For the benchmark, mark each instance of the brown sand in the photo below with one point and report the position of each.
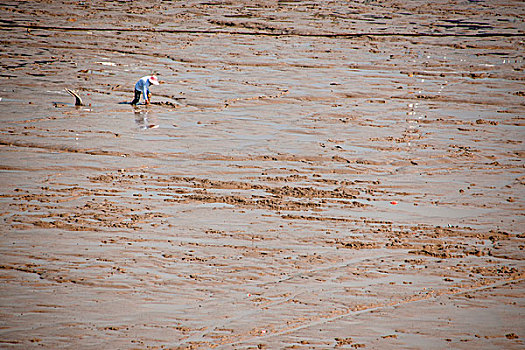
(308, 186)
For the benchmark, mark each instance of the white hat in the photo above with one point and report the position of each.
(153, 79)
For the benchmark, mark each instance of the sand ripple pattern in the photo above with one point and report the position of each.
(310, 175)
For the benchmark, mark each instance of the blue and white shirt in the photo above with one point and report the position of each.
(143, 86)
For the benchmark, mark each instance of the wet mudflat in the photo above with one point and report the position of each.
(295, 184)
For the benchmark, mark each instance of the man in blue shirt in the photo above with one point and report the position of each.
(142, 88)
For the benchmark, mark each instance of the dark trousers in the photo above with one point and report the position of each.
(137, 97)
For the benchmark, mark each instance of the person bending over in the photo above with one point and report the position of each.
(142, 88)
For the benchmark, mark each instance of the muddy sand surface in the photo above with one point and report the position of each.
(311, 175)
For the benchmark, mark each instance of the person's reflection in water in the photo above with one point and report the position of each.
(143, 122)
